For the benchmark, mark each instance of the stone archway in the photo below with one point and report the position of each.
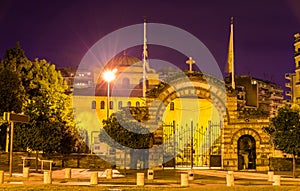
(194, 85)
(232, 153)
(246, 152)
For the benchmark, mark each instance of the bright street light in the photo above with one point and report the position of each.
(109, 76)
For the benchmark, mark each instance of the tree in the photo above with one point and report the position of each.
(42, 95)
(284, 130)
(50, 128)
(12, 90)
(124, 134)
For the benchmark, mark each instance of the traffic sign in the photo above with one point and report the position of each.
(13, 117)
(7, 116)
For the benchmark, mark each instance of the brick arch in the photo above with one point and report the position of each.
(246, 131)
(200, 85)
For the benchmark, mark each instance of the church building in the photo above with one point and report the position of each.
(191, 123)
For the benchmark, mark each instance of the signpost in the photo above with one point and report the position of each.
(11, 118)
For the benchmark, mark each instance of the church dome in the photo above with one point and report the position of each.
(123, 61)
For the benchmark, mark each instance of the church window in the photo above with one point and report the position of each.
(102, 105)
(172, 106)
(111, 105)
(120, 105)
(93, 104)
(137, 104)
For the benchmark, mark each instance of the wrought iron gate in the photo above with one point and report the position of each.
(191, 145)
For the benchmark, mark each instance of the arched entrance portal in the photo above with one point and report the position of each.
(246, 152)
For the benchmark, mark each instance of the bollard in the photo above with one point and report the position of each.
(68, 173)
(47, 177)
(140, 179)
(94, 178)
(276, 180)
(26, 172)
(150, 174)
(230, 179)
(108, 173)
(1, 176)
(184, 180)
(191, 175)
(270, 175)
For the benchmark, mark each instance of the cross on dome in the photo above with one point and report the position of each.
(190, 61)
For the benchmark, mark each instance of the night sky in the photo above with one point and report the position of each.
(62, 31)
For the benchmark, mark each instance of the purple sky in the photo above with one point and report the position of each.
(62, 31)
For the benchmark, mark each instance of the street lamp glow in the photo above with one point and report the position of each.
(109, 75)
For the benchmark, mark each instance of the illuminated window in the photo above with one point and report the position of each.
(172, 106)
(129, 104)
(93, 104)
(102, 105)
(137, 104)
(120, 105)
(111, 105)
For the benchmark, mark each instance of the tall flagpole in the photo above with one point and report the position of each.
(145, 55)
(230, 60)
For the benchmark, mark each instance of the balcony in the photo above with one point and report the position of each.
(288, 93)
(297, 53)
(297, 38)
(276, 96)
(288, 85)
(288, 76)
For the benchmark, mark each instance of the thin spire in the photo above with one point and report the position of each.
(145, 57)
(230, 59)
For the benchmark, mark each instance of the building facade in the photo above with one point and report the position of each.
(294, 78)
(262, 95)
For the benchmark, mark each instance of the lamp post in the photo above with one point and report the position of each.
(109, 76)
(192, 145)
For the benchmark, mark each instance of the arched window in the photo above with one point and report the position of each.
(120, 105)
(111, 105)
(93, 104)
(137, 104)
(102, 105)
(129, 103)
(172, 106)
(125, 82)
